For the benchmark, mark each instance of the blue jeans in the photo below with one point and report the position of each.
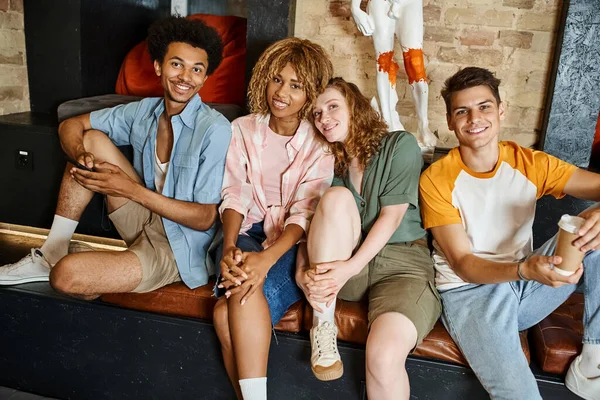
(280, 287)
(485, 320)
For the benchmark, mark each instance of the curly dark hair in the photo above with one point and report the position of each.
(366, 129)
(310, 61)
(467, 78)
(193, 32)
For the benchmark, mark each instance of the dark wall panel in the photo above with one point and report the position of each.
(75, 47)
(52, 43)
(109, 29)
(268, 21)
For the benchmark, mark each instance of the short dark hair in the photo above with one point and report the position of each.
(191, 31)
(467, 78)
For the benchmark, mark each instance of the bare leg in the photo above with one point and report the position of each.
(391, 338)
(221, 323)
(335, 228)
(334, 233)
(90, 274)
(73, 198)
(250, 346)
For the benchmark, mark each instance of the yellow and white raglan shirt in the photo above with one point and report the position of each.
(496, 208)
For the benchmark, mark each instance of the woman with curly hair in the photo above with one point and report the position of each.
(276, 171)
(367, 241)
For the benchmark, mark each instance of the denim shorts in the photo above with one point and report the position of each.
(280, 287)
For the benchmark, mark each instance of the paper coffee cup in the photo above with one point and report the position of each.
(571, 256)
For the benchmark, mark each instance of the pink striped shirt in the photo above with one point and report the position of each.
(302, 184)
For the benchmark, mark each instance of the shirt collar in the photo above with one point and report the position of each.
(188, 114)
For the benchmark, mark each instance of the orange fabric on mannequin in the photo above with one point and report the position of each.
(414, 65)
(386, 63)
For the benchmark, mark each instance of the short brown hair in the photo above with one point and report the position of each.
(366, 129)
(310, 61)
(467, 78)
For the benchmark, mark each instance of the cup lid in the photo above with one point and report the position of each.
(571, 223)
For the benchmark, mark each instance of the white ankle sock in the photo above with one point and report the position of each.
(590, 360)
(326, 315)
(254, 388)
(56, 245)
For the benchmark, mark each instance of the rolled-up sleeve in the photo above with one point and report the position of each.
(310, 190)
(116, 122)
(207, 189)
(237, 191)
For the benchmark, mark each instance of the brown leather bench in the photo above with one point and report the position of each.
(556, 340)
(176, 299)
(351, 317)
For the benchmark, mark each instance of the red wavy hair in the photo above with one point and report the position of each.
(366, 129)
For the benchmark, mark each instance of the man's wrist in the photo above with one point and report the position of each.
(136, 193)
(520, 271)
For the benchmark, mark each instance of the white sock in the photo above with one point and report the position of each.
(326, 315)
(590, 360)
(254, 388)
(56, 245)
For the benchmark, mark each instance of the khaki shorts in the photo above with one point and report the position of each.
(144, 234)
(399, 279)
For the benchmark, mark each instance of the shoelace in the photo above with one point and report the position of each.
(326, 337)
(29, 258)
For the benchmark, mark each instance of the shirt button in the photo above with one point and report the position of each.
(362, 203)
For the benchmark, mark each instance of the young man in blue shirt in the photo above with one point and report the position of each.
(164, 206)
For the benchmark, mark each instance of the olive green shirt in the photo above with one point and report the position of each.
(392, 177)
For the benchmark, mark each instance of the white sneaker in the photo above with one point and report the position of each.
(576, 382)
(325, 359)
(32, 268)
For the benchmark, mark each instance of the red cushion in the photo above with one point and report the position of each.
(225, 85)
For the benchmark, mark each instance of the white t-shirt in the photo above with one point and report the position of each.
(496, 208)
(160, 172)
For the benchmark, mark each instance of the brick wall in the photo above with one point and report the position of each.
(14, 90)
(513, 38)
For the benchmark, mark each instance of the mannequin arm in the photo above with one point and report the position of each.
(363, 21)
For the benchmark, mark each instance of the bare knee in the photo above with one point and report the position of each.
(336, 200)
(94, 140)
(63, 276)
(221, 322)
(390, 341)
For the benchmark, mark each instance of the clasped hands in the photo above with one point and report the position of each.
(322, 283)
(243, 272)
(106, 178)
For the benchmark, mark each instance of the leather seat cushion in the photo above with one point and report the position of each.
(177, 299)
(556, 340)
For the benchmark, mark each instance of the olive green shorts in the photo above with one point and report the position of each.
(399, 279)
(144, 234)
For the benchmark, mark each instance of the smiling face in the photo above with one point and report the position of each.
(475, 117)
(285, 94)
(182, 73)
(332, 116)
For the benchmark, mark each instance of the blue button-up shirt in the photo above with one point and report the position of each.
(201, 138)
